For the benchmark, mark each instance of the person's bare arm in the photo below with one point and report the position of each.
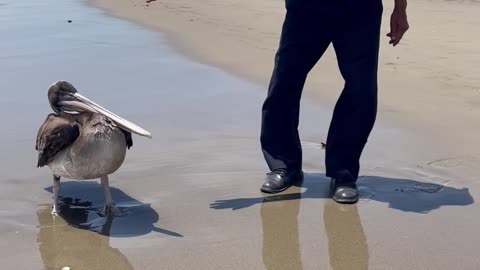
(398, 22)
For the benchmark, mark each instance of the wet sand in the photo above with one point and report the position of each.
(189, 196)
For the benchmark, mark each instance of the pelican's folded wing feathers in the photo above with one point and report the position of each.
(54, 135)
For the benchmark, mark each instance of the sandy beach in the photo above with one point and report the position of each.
(194, 74)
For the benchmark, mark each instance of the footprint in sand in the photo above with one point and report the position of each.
(446, 163)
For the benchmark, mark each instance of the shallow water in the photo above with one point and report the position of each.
(189, 196)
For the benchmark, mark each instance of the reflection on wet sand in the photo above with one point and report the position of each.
(281, 248)
(347, 244)
(63, 245)
(80, 237)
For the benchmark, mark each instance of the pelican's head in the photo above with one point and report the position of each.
(64, 97)
(61, 96)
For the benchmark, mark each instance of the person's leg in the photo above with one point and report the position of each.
(356, 45)
(301, 45)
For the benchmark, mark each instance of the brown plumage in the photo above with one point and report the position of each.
(60, 131)
(82, 140)
(54, 135)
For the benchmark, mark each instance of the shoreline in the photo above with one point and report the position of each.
(181, 43)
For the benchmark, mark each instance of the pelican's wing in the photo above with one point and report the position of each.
(54, 135)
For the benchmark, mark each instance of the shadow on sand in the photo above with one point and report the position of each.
(401, 194)
(81, 202)
(347, 243)
(80, 237)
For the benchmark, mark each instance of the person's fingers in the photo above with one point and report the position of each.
(394, 35)
(397, 40)
(392, 29)
(390, 36)
(402, 28)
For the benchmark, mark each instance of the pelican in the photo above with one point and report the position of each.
(82, 141)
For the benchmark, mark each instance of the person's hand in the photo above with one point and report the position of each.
(398, 22)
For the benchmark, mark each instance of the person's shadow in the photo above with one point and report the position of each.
(81, 204)
(347, 243)
(401, 194)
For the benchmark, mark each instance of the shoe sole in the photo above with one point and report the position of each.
(270, 191)
(343, 201)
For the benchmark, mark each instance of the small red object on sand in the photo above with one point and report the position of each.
(148, 1)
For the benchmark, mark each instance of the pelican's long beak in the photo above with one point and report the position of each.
(85, 104)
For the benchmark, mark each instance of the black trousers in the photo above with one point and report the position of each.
(353, 27)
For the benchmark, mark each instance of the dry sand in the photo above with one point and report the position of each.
(190, 196)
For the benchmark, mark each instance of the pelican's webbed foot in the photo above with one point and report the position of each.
(55, 210)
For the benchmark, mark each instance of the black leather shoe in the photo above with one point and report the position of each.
(280, 179)
(344, 189)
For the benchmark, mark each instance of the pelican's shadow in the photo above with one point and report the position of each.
(81, 202)
(401, 194)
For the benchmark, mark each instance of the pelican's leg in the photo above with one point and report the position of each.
(56, 191)
(110, 207)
